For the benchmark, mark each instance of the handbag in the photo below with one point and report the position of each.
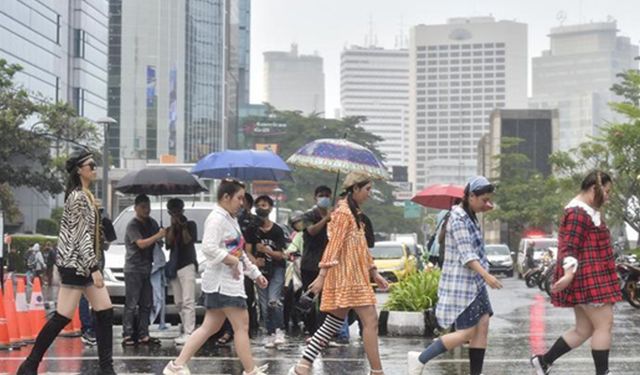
(171, 267)
(306, 303)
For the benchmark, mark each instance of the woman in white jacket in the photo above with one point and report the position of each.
(223, 282)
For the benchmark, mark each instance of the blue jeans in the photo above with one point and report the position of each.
(85, 315)
(271, 301)
(344, 331)
(158, 284)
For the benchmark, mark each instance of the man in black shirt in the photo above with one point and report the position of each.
(315, 240)
(142, 235)
(270, 257)
(183, 266)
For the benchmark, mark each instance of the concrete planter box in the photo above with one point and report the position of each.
(407, 323)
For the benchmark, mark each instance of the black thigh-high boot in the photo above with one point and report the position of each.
(46, 336)
(104, 337)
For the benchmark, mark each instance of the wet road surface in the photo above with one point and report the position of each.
(524, 323)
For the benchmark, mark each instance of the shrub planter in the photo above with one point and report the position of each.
(407, 323)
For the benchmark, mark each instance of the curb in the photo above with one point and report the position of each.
(408, 323)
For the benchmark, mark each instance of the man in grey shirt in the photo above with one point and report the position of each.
(142, 235)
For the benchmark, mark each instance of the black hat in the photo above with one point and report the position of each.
(77, 157)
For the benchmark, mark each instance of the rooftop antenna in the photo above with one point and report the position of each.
(561, 17)
(370, 41)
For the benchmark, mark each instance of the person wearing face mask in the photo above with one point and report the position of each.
(270, 243)
(463, 301)
(315, 240)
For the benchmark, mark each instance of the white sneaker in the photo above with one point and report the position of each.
(280, 338)
(173, 369)
(257, 370)
(414, 366)
(269, 342)
(182, 339)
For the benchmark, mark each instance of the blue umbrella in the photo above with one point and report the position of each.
(245, 165)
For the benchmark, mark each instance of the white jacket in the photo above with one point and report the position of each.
(222, 235)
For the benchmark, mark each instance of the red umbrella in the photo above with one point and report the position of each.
(439, 196)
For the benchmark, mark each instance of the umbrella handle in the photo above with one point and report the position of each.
(335, 189)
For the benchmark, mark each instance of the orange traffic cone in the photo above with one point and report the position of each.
(4, 330)
(22, 311)
(37, 314)
(77, 325)
(12, 317)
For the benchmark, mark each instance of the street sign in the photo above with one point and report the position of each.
(412, 210)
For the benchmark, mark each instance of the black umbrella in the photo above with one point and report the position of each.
(160, 181)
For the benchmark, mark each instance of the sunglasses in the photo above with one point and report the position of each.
(233, 181)
(92, 165)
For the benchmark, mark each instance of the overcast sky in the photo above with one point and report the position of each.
(327, 26)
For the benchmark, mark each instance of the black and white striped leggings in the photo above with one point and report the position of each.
(321, 338)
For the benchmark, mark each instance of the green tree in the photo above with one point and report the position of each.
(524, 198)
(303, 129)
(616, 150)
(30, 128)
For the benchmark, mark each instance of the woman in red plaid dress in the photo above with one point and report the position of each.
(586, 276)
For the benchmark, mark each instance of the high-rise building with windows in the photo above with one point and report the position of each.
(294, 82)
(576, 74)
(147, 80)
(374, 83)
(176, 77)
(459, 73)
(62, 47)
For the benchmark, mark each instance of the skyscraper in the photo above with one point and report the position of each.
(575, 75)
(294, 82)
(374, 82)
(62, 48)
(146, 73)
(176, 76)
(459, 73)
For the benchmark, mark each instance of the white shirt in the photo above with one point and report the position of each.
(222, 235)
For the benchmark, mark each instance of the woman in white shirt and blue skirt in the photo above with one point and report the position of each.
(223, 282)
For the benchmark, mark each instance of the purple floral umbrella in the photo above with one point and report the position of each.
(339, 155)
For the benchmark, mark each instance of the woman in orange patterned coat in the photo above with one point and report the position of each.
(346, 269)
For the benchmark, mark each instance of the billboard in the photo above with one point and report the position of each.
(173, 110)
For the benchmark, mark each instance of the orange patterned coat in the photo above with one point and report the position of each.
(347, 257)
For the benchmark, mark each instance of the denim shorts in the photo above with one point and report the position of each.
(220, 301)
(470, 317)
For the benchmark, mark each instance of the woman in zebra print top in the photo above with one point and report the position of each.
(77, 259)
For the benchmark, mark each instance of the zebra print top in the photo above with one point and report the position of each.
(77, 238)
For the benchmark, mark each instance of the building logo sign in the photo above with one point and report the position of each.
(265, 129)
(460, 34)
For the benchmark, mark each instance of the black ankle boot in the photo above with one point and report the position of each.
(46, 336)
(28, 367)
(104, 337)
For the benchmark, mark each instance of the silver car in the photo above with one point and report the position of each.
(115, 256)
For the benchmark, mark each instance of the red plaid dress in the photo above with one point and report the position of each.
(596, 280)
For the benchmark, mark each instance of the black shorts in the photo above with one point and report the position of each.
(69, 279)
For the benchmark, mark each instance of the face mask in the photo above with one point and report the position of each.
(323, 202)
(263, 212)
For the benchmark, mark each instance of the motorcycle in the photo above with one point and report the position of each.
(628, 271)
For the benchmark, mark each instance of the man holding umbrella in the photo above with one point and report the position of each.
(142, 235)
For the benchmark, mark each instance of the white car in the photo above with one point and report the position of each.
(500, 260)
(115, 256)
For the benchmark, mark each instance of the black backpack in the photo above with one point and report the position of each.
(441, 237)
